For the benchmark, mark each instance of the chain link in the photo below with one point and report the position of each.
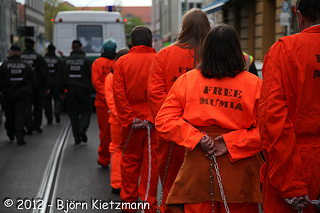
(216, 166)
(124, 148)
(211, 185)
(149, 166)
(314, 202)
(165, 177)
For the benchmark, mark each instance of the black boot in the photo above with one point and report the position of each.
(11, 137)
(20, 141)
(77, 141)
(58, 118)
(83, 136)
(38, 129)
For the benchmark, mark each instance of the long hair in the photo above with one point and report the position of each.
(195, 26)
(221, 55)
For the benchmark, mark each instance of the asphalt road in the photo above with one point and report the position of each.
(78, 184)
(81, 184)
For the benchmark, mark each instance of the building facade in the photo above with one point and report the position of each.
(34, 18)
(8, 26)
(257, 21)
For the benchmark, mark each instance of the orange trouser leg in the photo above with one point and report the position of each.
(175, 163)
(134, 155)
(105, 135)
(116, 155)
(205, 207)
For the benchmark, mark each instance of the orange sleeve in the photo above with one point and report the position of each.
(245, 143)
(169, 120)
(123, 107)
(156, 85)
(284, 167)
(109, 94)
(96, 79)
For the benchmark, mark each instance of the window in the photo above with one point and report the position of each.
(190, 5)
(91, 38)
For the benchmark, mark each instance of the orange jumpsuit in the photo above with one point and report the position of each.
(101, 67)
(168, 65)
(230, 103)
(114, 148)
(130, 96)
(289, 116)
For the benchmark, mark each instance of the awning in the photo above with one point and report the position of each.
(215, 6)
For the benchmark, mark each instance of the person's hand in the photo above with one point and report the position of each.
(63, 96)
(318, 206)
(220, 147)
(46, 92)
(206, 144)
(139, 124)
(298, 203)
(60, 53)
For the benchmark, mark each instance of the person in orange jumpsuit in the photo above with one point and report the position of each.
(139, 145)
(170, 63)
(101, 67)
(289, 117)
(212, 110)
(115, 127)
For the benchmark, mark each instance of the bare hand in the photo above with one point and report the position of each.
(63, 96)
(60, 53)
(220, 147)
(140, 124)
(298, 203)
(206, 144)
(46, 92)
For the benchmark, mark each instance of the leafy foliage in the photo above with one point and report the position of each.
(51, 9)
(131, 23)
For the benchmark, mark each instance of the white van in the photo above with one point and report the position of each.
(91, 28)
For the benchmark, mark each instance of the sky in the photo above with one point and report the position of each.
(94, 3)
(103, 3)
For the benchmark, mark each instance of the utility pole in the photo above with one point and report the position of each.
(185, 5)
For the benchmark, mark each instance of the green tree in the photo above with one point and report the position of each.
(131, 23)
(51, 9)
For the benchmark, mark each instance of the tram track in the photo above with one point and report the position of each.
(46, 194)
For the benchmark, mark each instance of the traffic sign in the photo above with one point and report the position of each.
(285, 6)
(285, 19)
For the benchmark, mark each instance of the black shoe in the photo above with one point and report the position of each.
(38, 130)
(103, 166)
(29, 132)
(11, 137)
(20, 141)
(58, 119)
(115, 191)
(123, 211)
(83, 137)
(77, 141)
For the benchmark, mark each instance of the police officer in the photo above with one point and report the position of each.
(76, 72)
(53, 63)
(16, 83)
(40, 71)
